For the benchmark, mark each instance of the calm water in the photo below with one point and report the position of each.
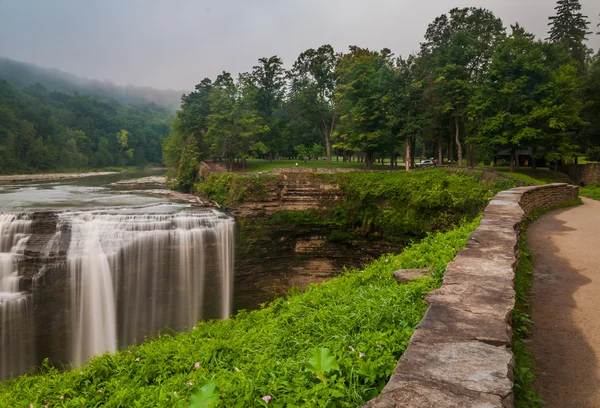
(82, 193)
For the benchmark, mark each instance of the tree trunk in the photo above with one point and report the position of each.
(270, 157)
(533, 159)
(407, 153)
(458, 145)
(450, 149)
(512, 155)
(517, 164)
(440, 152)
(412, 152)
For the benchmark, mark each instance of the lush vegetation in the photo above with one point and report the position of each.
(474, 89)
(534, 177)
(379, 205)
(592, 191)
(43, 131)
(334, 345)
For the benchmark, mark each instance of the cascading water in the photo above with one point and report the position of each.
(128, 273)
(15, 307)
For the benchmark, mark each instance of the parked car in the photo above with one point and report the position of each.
(425, 163)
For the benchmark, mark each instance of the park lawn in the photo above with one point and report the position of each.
(592, 191)
(260, 165)
(538, 177)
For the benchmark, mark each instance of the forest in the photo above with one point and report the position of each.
(43, 130)
(474, 88)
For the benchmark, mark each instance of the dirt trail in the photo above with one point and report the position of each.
(566, 305)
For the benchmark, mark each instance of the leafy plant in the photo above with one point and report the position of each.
(322, 362)
(206, 397)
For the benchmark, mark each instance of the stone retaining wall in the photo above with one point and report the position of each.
(582, 174)
(460, 355)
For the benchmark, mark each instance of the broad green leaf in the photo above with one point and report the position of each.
(206, 397)
(321, 362)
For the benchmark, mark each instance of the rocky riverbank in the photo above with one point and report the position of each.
(20, 178)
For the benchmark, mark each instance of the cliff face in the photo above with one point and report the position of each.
(288, 191)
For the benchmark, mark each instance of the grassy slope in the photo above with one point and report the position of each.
(265, 352)
(592, 191)
(538, 177)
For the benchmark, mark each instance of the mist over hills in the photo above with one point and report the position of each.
(22, 74)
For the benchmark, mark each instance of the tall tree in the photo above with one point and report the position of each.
(361, 95)
(530, 101)
(265, 87)
(570, 27)
(459, 47)
(312, 88)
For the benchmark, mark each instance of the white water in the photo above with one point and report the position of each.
(134, 273)
(15, 308)
(127, 273)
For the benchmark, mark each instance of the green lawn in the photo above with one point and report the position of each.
(592, 191)
(259, 165)
(538, 177)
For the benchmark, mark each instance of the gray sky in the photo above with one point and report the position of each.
(176, 43)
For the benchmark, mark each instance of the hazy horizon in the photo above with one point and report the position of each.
(174, 45)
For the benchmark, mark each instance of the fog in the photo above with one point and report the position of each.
(174, 44)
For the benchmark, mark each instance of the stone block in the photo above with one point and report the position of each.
(407, 275)
(427, 394)
(472, 366)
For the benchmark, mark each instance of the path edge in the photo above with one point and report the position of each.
(460, 355)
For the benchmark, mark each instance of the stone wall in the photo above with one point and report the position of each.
(582, 174)
(460, 355)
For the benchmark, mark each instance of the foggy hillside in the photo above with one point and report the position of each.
(22, 74)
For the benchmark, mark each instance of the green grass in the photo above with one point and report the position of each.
(538, 177)
(363, 318)
(524, 371)
(258, 165)
(592, 191)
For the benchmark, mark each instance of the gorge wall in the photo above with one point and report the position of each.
(460, 355)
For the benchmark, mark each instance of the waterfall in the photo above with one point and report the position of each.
(123, 274)
(16, 337)
(132, 274)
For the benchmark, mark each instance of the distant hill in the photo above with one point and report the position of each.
(21, 74)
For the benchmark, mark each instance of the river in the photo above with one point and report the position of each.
(84, 270)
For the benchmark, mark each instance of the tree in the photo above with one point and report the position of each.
(361, 99)
(458, 48)
(231, 127)
(123, 142)
(264, 90)
(529, 100)
(570, 27)
(312, 90)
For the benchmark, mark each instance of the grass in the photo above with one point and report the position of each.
(592, 191)
(334, 345)
(538, 177)
(259, 165)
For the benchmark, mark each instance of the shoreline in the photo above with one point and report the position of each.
(18, 178)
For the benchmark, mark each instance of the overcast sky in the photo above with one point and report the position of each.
(176, 43)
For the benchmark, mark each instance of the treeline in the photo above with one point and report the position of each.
(474, 88)
(42, 130)
(22, 74)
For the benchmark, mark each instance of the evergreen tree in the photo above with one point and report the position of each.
(570, 26)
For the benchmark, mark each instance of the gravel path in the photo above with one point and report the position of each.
(566, 305)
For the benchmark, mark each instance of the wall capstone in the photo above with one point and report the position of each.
(460, 355)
